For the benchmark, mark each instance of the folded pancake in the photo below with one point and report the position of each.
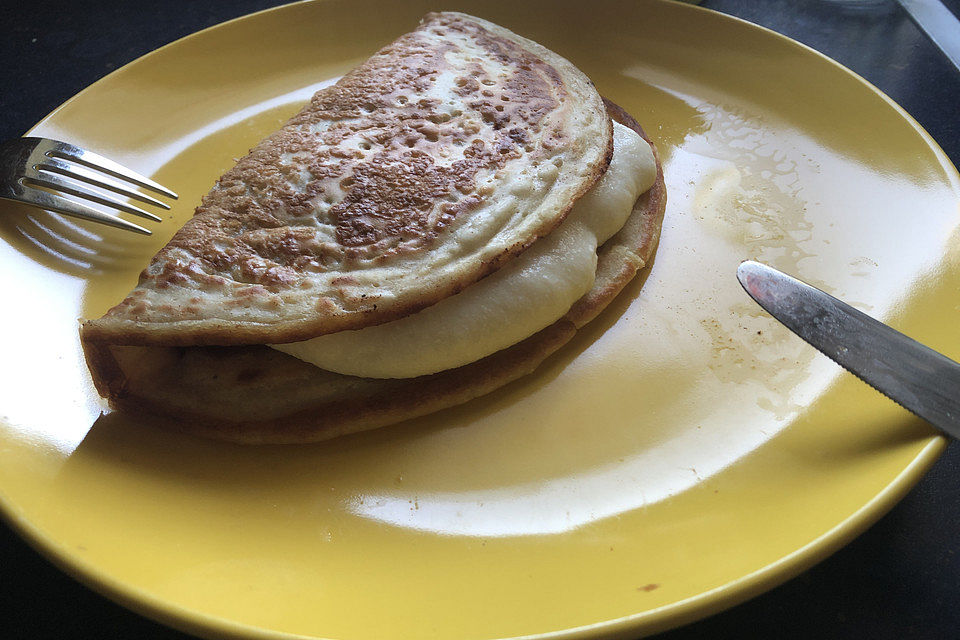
(258, 395)
(360, 238)
(426, 168)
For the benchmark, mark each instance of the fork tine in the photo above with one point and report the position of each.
(54, 165)
(59, 204)
(53, 181)
(96, 161)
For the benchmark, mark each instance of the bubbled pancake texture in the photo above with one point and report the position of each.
(429, 166)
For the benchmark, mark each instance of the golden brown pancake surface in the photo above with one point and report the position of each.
(429, 166)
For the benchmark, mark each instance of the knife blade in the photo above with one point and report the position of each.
(918, 378)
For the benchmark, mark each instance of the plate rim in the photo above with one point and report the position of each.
(648, 622)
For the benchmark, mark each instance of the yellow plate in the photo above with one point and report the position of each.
(684, 453)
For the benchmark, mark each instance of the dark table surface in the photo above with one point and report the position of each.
(900, 579)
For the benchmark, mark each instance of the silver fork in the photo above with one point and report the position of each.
(36, 170)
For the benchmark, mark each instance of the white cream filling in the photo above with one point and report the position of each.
(533, 291)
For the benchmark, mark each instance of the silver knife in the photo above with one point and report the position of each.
(916, 377)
